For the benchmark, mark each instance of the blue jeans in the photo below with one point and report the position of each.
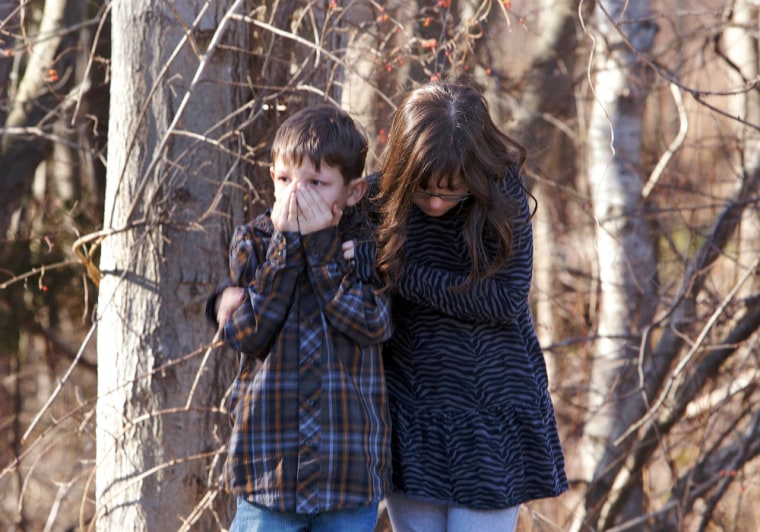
(411, 515)
(255, 518)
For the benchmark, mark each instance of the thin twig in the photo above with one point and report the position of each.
(215, 342)
(35, 271)
(61, 384)
(204, 60)
(289, 35)
(683, 128)
(677, 372)
(202, 506)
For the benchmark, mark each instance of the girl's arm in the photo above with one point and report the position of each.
(501, 297)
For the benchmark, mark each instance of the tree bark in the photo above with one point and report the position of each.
(626, 252)
(740, 45)
(9, 16)
(173, 92)
(20, 154)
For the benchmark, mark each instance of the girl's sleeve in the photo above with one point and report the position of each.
(501, 297)
(349, 294)
(269, 293)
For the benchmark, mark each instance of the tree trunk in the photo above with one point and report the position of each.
(173, 92)
(9, 15)
(626, 252)
(32, 100)
(741, 49)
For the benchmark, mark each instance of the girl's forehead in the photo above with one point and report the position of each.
(443, 181)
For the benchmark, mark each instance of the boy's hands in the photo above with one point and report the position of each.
(227, 302)
(285, 213)
(314, 214)
(304, 211)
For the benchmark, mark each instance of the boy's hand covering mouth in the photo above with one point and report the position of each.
(313, 213)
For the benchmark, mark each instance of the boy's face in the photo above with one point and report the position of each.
(328, 182)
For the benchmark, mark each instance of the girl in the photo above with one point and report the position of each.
(474, 432)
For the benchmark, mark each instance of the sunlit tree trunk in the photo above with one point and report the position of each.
(9, 16)
(32, 99)
(740, 44)
(626, 251)
(174, 70)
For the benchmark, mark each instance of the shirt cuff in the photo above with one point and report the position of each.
(210, 309)
(322, 246)
(284, 248)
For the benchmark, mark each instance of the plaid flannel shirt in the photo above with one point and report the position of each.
(311, 429)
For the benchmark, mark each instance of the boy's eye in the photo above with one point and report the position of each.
(283, 179)
(316, 183)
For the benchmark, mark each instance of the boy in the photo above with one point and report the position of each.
(309, 448)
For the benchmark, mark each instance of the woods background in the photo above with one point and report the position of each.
(135, 136)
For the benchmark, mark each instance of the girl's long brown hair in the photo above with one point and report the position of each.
(444, 132)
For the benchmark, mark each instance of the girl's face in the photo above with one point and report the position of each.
(436, 201)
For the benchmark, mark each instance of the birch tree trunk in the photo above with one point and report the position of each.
(741, 49)
(626, 252)
(20, 156)
(172, 95)
(9, 15)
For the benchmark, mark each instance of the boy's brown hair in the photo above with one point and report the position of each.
(323, 133)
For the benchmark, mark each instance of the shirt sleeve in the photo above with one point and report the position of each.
(365, 257)
(242, 255)
(254, 324)
(210, 308)
(501, 297)
(352, 303)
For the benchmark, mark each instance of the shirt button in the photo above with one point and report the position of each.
(309, 402)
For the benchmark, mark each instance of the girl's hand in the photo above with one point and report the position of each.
(285, 213)
(226, 304)
(348, 250)
(313, 213)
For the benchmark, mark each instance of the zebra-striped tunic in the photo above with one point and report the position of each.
(472, 420)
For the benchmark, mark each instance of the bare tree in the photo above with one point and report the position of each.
(625, 249)
(174, 93)
(659, 349)
(32, 98)
(740, 50)
(643, 151)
